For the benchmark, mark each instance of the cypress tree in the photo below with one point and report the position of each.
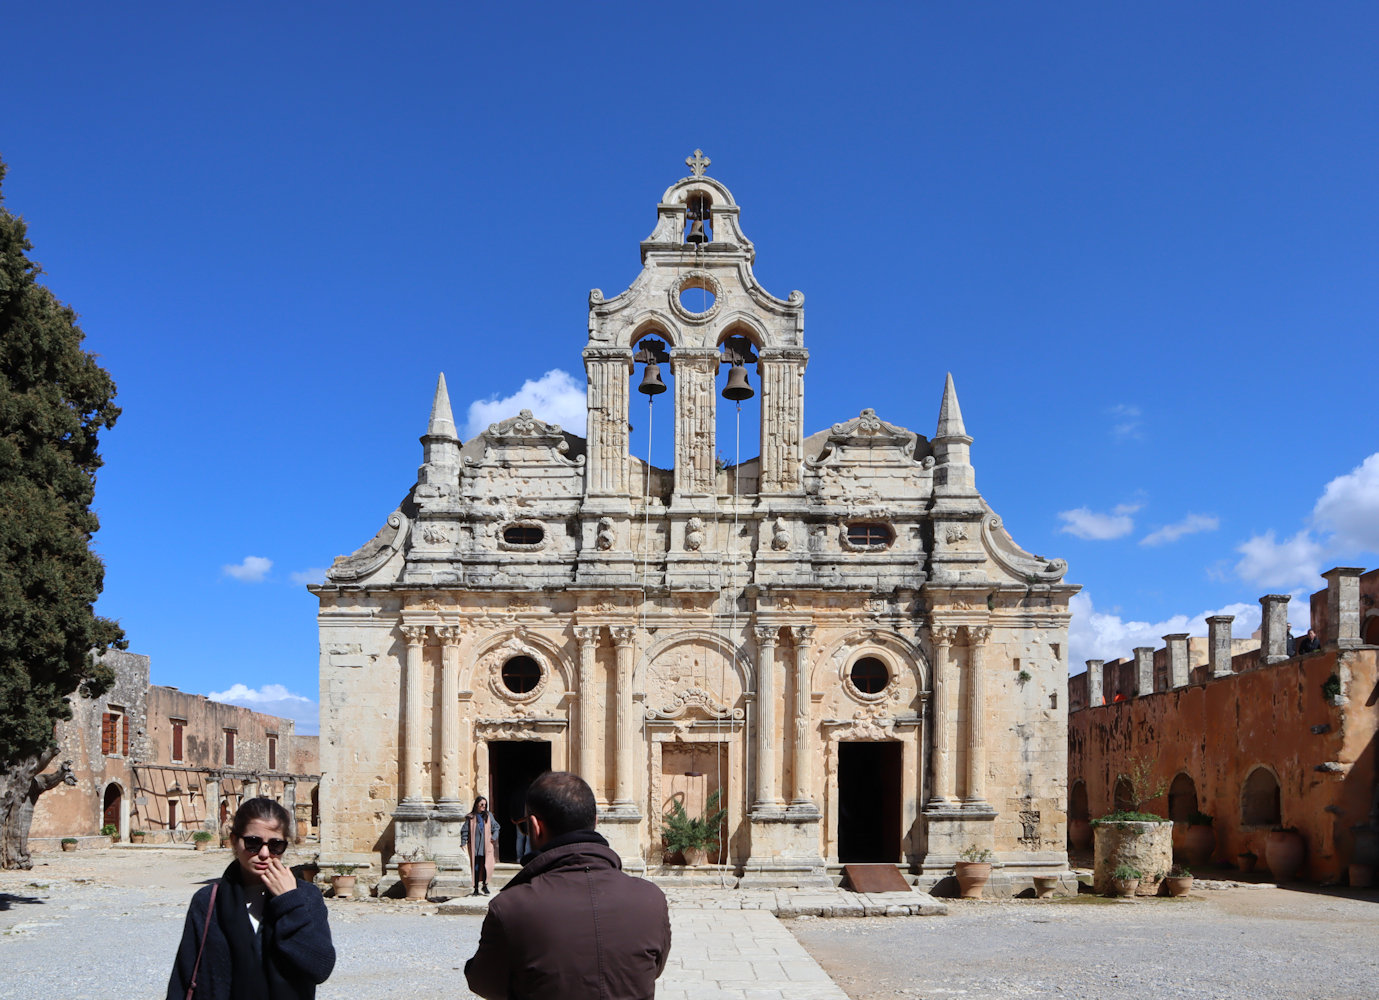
(54, 401)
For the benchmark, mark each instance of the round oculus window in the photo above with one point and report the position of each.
(521, 674)
(869, 675)
(524, 534)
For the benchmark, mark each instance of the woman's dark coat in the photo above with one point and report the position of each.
(298, 943)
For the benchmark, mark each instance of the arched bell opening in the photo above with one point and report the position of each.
(698, 218)
(651, 402)
(739, 413)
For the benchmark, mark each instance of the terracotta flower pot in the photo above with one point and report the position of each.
(69, 847)
(136, 838)
(1178, 885)
(343, 886)
(1080, 834)
(1198, 844)
(1284, 852)
(417, 876)
(1044, 885)
(1124, 887)
(1245, 861)
(972, 877)
(695, 856)
(200, 845)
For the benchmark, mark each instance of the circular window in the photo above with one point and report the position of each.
(869, 675)
(697, 300)
(521, 674)
(523, 534)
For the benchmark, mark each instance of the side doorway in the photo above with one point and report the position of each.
(869, 802)
(512, 766)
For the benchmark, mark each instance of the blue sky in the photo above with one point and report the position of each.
(1141, 236)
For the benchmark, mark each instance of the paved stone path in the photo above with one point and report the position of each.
(739, 955)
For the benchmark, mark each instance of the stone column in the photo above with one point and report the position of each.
(695, 431)
(1219, 645)
(290, 804)
(1342, 607)
(803, 793)
(1095, 677)
(1273, 628)
(1144, 671)
(943, 638)
(588, 638)
(413, 681)
(623, 733)
(768, 795)
(1177, 659)
(451, 799)
(782, 419)
(213, 801)
(465, 736)
(976, 714)
(606, 462)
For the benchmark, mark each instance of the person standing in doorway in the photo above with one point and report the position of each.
(480, 835)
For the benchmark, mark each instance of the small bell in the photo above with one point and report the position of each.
(651, 380)
(696, 233)
(738, 388)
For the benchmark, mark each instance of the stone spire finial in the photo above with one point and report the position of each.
(442, 424)
(950, 414)
(698, 163)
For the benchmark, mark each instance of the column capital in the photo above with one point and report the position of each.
(977, 635)
(587, 634)
(943, 635)
(622, 634)
(766, 635)
(450, 635)
(414, 634)
(802, 635)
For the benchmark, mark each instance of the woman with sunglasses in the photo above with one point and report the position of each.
(267, 935)
(480, 835)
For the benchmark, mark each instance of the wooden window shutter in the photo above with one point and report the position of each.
(124, 735)
(107, 733)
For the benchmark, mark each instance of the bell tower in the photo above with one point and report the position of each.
(698, 306)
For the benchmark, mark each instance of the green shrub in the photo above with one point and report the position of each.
(976, 855)
(110, 830)
(69, 840)
(1180, 871)
(1127, 816)
(201, 836)
(1126, 871)
(682, 830)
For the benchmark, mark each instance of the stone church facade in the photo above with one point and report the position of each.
(838, 637)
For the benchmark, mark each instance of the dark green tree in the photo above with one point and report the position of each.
(54, 400)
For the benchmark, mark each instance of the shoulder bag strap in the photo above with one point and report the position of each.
(210, 912)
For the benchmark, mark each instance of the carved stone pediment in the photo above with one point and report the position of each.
(371, 556)
(866, 724)
(1022, 565)
(870, 434)
(527, 429)
(694, 700)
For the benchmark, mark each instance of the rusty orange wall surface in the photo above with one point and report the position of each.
(1219, 731)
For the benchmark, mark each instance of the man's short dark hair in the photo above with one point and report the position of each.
(564, 801)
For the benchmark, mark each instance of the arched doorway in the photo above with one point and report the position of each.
(1182, 800)
(112, 808)
(1260, 803)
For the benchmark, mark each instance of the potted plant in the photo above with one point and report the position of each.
(692, 837)
(1284, 852)
(1178, 881)
(1125, 880)
(69, 843)
(1245, 861)
(416, 868)
(1199, 841)
(201, 839)
(112, 831)
(136, 836)
(973, 871)
(308, 869)
(343, 879)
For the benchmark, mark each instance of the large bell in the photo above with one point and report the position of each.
(696, 233)
(651, 381)
(738, 387)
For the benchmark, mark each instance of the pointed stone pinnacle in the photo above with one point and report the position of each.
(949, 414)
(442, 424)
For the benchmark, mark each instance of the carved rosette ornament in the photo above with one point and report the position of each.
(694, 534)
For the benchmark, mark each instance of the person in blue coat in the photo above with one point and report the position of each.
(268, 936)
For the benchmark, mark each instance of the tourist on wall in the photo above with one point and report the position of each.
(257, 931)
(481, 830)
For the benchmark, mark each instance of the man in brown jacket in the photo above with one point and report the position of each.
(571, 924)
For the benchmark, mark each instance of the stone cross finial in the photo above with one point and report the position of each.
(698, 163)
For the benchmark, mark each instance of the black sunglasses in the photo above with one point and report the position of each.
(255, 844)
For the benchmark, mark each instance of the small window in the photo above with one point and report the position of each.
(524, 534)
(178, 726)
(521, 674)
(115, 731)
(869, 675)
(172, 814)
(272, 752)
(869, 534)
(229, 747)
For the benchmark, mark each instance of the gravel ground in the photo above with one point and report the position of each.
(99, 924)
(1255, 943)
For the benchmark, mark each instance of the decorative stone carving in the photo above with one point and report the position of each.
(694, 698)
(694, 534)
(780, 535)
(943, 635)
(604, 539)
(414, 634)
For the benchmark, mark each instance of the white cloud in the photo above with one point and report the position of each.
(1087, 523)
(1126, 422)
(1278, 566)
(1349, 507)
(1189, 525)
(554, 398)
(1095, 635)
(274, 699)
(316, 574)
(252, 570)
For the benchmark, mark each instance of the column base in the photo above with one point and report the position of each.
(784, 849)
(621, 827)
